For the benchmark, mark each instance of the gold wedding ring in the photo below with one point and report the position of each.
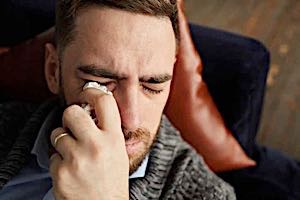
(59, 137)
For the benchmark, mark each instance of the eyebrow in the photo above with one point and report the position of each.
(104, 73)
(156, 79)
(99, 72)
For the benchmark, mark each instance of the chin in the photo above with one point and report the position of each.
(136, 153)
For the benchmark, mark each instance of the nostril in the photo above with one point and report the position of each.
(130, 121)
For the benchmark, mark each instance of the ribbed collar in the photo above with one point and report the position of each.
(161, 159)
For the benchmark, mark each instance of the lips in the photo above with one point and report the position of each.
(131, 142)
(133, 146)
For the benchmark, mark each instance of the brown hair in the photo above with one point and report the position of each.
(66, 11)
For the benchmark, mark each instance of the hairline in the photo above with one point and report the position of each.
(72, 33)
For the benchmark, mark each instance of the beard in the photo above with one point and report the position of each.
(141, 135)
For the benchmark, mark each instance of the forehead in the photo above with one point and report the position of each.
(122, 40)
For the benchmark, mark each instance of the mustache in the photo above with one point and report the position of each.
(139, 134)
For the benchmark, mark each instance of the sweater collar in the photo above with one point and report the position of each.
(162, 155)
(41, 145)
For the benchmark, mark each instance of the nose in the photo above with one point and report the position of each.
(128, 104)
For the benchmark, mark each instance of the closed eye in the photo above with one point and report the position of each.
(110, 86)
(151, 91)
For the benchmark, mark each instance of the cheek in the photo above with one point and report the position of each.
(72, 87)
(152, 111)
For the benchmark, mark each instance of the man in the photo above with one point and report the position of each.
(130, 47)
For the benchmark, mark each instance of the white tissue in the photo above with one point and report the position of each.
(87, 107)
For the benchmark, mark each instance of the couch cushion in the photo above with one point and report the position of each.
(235, 70)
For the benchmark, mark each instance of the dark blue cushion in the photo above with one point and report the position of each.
(276, 177)
(235, 70)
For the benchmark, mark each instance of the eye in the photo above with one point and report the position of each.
(101, 83)
(151, 91)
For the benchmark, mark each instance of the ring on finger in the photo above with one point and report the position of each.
(59, 137)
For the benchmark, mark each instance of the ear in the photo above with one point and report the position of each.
(52, 72)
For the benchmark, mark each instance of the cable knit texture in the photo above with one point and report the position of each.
(175, 170)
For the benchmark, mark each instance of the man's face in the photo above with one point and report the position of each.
(133, 55)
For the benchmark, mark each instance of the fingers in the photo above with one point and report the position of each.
(105, 106)
(55, 162)
(79, 123)
(63, 143)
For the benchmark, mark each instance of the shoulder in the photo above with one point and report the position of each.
(13, 117)
(15, 113)
(190, 178)
(12, 108)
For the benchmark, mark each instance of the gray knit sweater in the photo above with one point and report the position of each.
(175, 170)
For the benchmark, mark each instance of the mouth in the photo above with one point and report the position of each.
(132, 146)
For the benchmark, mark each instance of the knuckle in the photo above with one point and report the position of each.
(56, 131)
(73, 109)
(95, 150)
(103, 97)
(70, 111)
(76, 164)
(61, 172)
(74, 157)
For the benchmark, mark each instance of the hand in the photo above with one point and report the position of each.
(92, 162)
